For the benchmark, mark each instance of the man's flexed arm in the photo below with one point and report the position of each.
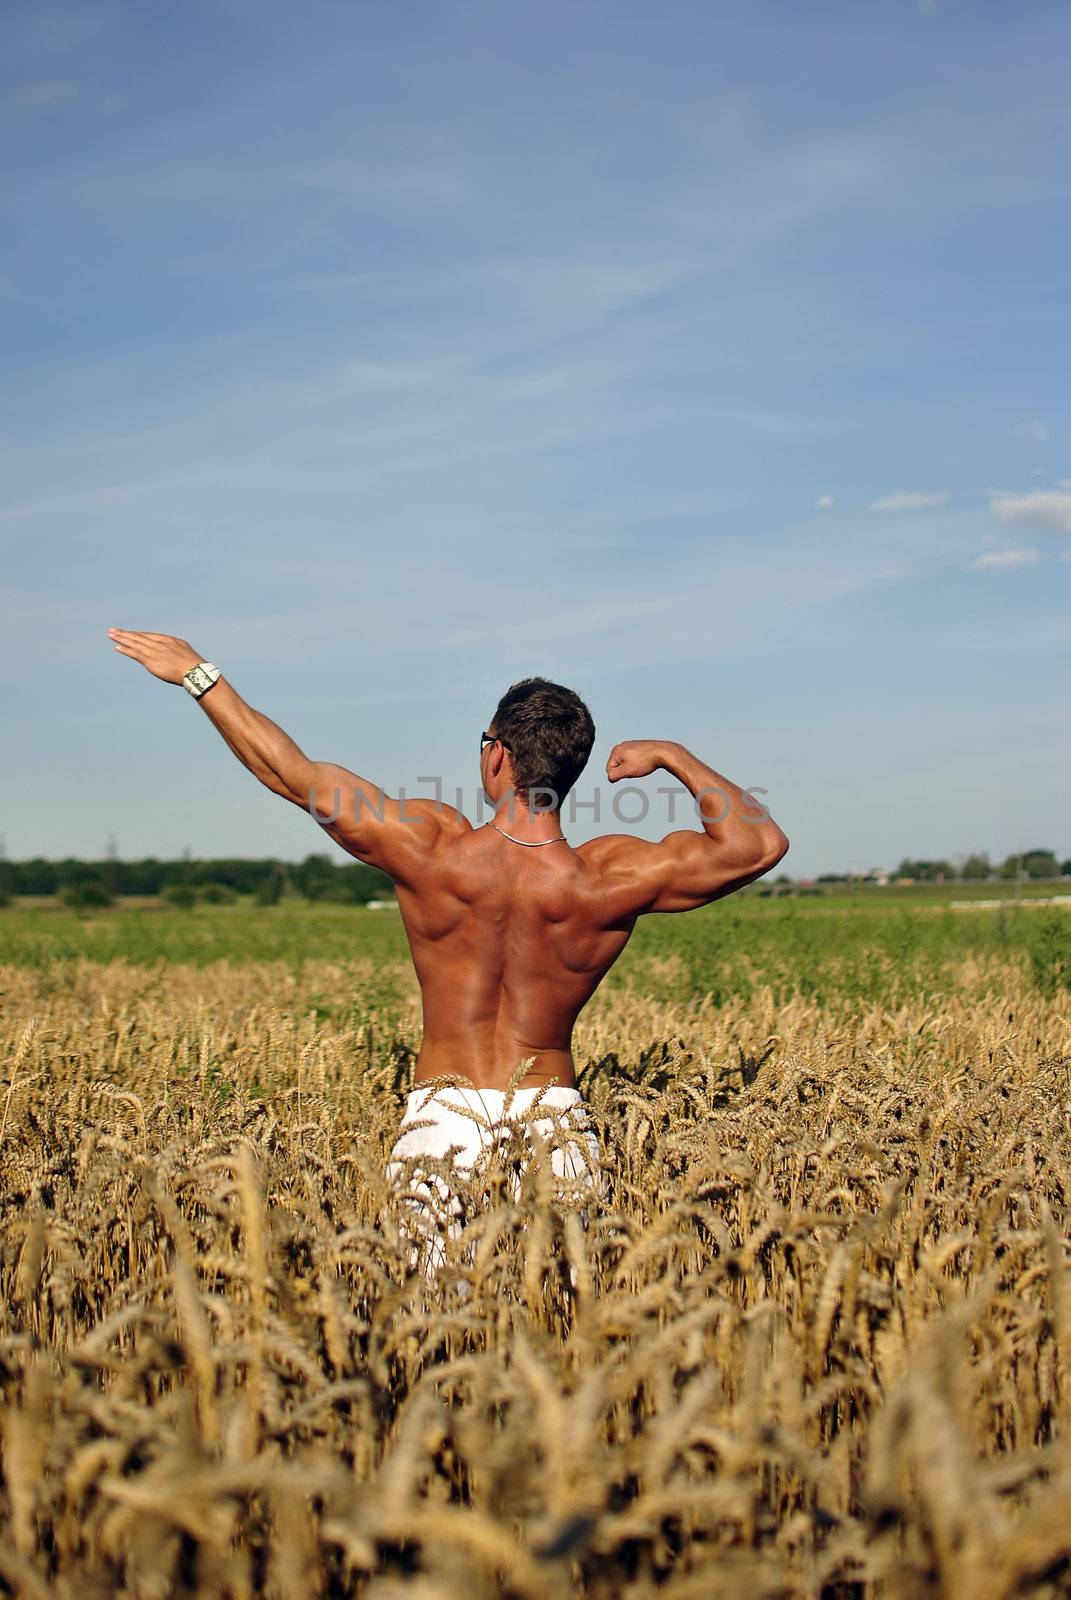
(358, 815)
(739, 840)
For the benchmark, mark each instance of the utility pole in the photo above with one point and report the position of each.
(111, 871)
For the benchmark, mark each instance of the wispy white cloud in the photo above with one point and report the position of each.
(608, 618)
(584, 284)
(51, 95)
(371, 377)
(1052, 634)
(628, 626)
(47, 30)
(787, 185)
(1044, 508)
(1032, 432)
(1004, 560)
(908, 500)
(110, 497)
(825, 502)
(201, 182)
(768, 419)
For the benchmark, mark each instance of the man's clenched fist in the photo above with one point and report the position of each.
(636, 758)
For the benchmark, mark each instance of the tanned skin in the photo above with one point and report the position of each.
(508, 943)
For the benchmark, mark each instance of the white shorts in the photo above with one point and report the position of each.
(462, 1126)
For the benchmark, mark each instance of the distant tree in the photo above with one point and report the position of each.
(141, 877)
(270, 889)
(90, 892)
(341, 893)
(247, 876)
(70, 872)
(37, 877)
(1065, 869)
(183, 896)
(1035, 864)
(7, 876)
(315, 876)
(976, 868)
(926, 871)
(1041, 864)
(216, 894)
(364, 883)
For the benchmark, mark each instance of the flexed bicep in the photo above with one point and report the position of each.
(681, 872)
(689, 870)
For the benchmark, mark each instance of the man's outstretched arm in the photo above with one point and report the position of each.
(737, 843)
(357, 814)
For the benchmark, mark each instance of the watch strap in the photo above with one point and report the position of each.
(200, 678)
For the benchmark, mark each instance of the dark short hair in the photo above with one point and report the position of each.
(549, 731)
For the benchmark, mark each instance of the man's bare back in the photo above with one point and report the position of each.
(508, 943)
(511, 928)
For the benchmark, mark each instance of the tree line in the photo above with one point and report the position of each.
(186, 881)
(269, 880)
(978, 868)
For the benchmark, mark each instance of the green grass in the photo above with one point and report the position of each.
(937, 893)
(293, 931)
(850, 945)
(878, 952)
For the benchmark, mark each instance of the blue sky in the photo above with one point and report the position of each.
(704, 357)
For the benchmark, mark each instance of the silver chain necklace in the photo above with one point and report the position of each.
(528, 844)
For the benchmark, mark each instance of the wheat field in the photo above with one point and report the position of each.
(813, 1340)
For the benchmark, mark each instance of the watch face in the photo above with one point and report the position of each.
(201, 677)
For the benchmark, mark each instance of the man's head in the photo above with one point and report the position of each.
(548, 733)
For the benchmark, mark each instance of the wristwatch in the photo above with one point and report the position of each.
(200, 678)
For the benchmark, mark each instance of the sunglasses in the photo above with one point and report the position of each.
(491, 738)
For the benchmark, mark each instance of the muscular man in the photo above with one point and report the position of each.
(511, 927)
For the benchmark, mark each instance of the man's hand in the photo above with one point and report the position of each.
(636, 758)
(160, 653)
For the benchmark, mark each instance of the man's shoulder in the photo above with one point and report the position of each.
(442, 828)
(614, 851)
(427, 831)
(451, 822)
(605, 844)
(622, 871)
